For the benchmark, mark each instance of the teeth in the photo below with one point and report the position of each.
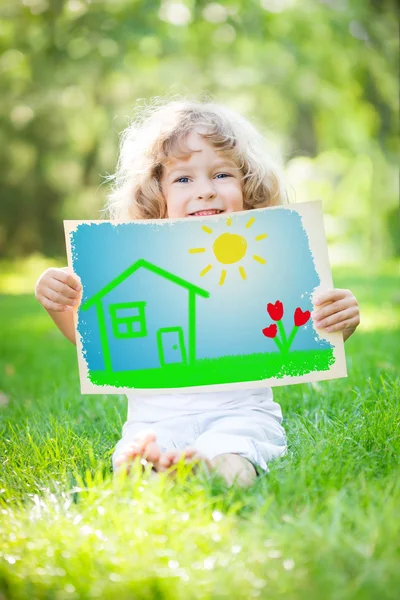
(205, 213)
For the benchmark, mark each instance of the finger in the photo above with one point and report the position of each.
(338, 318)
(60, 298)
(63, 291)
(349, 324)
(63, 288)
(330, 296)
(50, 305)
(69, 279)
(344, 316)
(322, 313)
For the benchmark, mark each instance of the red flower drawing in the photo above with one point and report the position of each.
(270, 331)
(275, 311)
(300, 317)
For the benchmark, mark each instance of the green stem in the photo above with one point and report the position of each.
(278, 343)
(283, 336)
(291, 337)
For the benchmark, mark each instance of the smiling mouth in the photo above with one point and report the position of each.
(206, 213)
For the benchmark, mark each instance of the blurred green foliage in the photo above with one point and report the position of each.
(318, 76)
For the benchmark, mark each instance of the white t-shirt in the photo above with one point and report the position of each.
(163, 406)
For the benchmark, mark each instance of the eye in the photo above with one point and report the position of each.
(223, 175)
(181, 180)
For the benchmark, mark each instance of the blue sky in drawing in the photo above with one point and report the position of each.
(231, 320)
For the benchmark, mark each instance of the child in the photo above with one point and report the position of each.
(193, 159)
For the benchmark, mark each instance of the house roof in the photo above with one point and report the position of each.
(134, 267)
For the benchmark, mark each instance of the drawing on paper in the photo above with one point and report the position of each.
(175, 305)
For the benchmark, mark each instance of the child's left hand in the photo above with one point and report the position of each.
(336, 310)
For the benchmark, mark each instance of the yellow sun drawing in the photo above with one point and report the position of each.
(230, 248)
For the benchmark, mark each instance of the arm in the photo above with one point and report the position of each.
(59, 292)
(337, 310)
(65, 323)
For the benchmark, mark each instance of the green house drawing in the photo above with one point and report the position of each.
(128, 318)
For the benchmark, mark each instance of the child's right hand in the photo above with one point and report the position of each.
(58, 289)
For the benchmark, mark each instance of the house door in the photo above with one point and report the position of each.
(171, 346)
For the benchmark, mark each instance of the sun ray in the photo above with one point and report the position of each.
(196, 250)
(205, 270)
(229, 249)
(250, 222)
(259, 259)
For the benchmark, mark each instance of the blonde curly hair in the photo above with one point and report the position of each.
(160, 131)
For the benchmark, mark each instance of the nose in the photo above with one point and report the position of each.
(206, 190)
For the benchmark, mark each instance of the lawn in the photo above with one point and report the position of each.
(324, 523)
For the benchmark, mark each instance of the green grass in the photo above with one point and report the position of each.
(228, 369)
(324, 523)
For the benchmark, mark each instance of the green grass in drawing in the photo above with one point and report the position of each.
(227, 369)
(128, 321)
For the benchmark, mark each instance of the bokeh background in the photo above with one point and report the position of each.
(319, 77)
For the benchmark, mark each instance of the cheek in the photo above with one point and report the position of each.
(237, 197)
(175, 204)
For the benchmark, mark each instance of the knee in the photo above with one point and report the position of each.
(235, 469)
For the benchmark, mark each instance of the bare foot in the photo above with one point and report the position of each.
(190, 456)
(146, 447)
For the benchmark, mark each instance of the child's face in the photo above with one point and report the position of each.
(203, 184)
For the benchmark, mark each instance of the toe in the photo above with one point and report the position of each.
(167, 459)
(190, 452)
(122, 463)
(146, 437)
(164, 463)
(193, 455)
(120, 460)
(173, 456)
(152, 453)
(132, 450)
(142, 441)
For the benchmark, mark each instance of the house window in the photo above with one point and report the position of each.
(128, 320)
